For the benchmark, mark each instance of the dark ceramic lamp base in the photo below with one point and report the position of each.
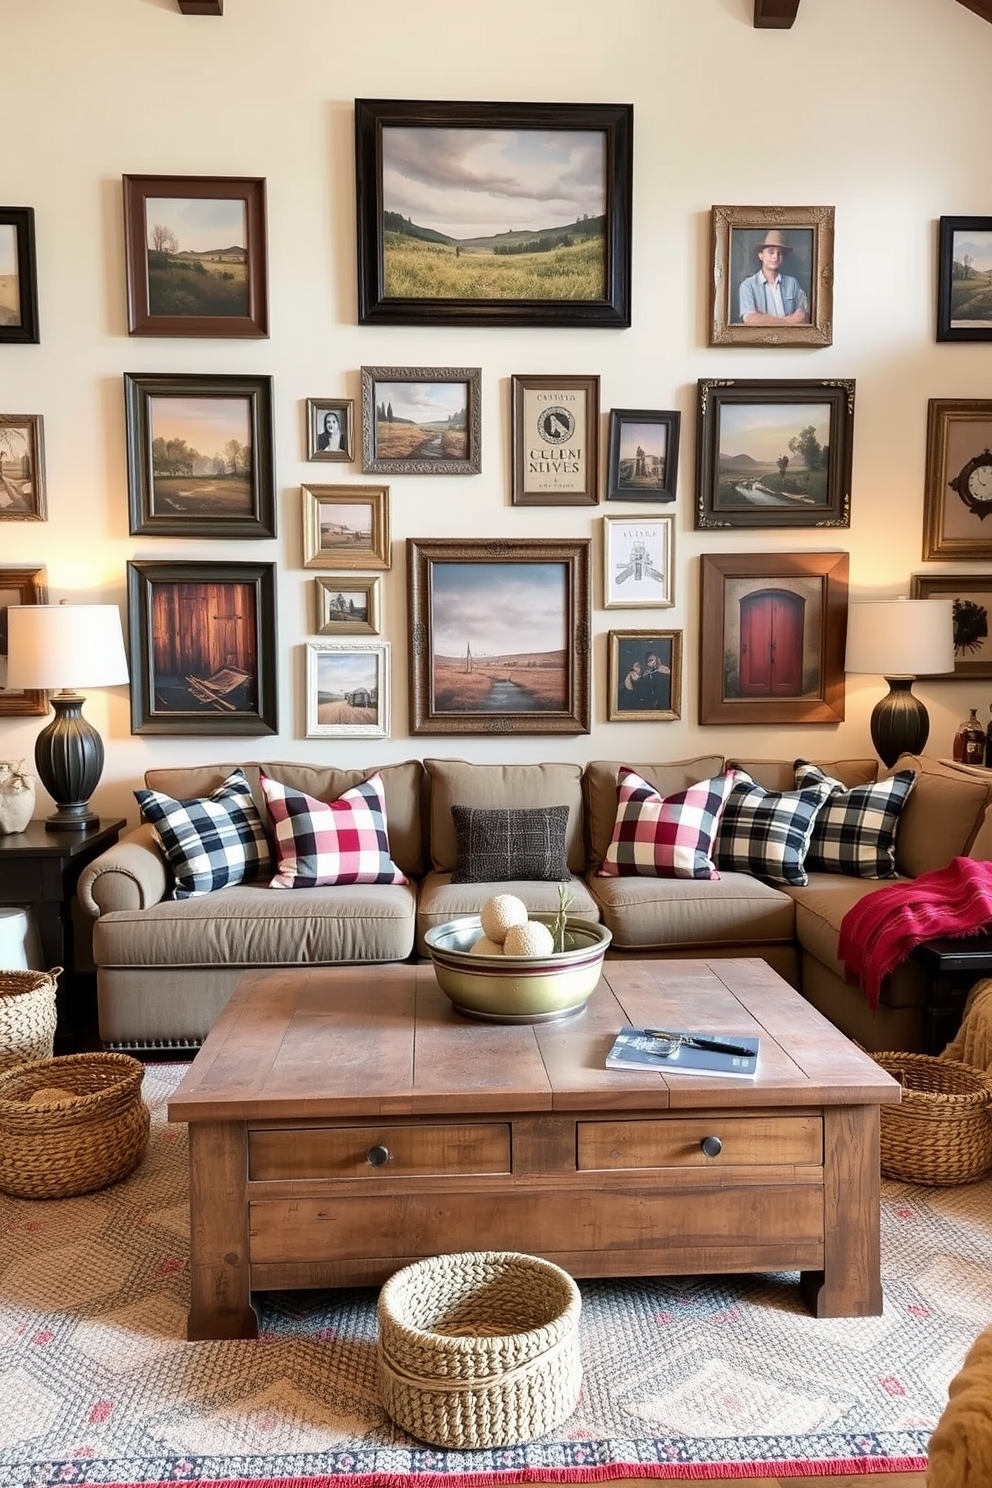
(68, 756)
(900, 723)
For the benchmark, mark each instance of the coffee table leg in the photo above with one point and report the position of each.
(220, 1300)
(850, 1284)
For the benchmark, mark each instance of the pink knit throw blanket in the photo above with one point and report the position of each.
(882, 930)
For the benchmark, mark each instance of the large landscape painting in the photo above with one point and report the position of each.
(773, 455)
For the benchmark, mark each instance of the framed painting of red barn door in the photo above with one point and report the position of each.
(772, 633)
(203, 648)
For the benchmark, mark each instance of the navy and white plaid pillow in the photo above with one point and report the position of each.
(855, 831)
(210, 842)
(767, 833)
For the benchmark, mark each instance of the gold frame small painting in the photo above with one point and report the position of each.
(645, 676)
(348, 604)
(345, 526)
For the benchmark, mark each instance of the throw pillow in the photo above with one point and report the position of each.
(496, 845)
(330, 842)
(209, 842)
(766, 833)
(665, 836)
(855, 830)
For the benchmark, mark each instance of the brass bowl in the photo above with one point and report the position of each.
(518, 989)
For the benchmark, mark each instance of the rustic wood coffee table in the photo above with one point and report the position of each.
(346, 1121)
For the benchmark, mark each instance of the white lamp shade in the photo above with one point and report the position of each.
(900, 637)
(63, 647)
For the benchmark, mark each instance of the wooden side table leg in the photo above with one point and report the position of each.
(220, 1298)
(850, 1284)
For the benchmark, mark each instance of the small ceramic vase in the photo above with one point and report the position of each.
(16, 796)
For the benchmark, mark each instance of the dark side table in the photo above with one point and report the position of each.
(41, 869)
(953, 967)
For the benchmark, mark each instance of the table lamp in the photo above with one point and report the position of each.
(57, 648)
(900, 639)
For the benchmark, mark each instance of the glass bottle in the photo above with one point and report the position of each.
(988, 743)
(969, 741)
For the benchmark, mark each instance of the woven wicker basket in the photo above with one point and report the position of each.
(941, 1132)
(71, 1124)
(479, 1348)
(27, 1015)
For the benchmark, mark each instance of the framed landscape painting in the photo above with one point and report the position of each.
(18, 276)
(493, 213)
(422, 420)
(964, 279)
(20, 586)
(195, 256)
(645, 676)
(346, 527)
(22, 468)
(774, 454)
(971, 607)
(499, 635)
(348, 604)
(643, 462)
(773, 276)
(200, 456)
(347, 690)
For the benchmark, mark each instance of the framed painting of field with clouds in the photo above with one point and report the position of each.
(964, 279)
(493, 213)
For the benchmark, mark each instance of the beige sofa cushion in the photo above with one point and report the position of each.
(821, 906)
(600, 790)
(441, 900)
(942, 816)
(458, 783)
(674, 913)
(780, 775)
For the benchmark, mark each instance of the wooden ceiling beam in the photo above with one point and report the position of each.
(981, 8)
(201, 7)
(777, 14)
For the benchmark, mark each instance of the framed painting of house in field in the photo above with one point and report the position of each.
(964, 279)
(346, 527)
(499, 635)
(202, 639)
(493, 213)
(422, 420)
(18, 276)
(22, 468)
(200, 456)
(774, 454)
(347, 690)
(196, 256)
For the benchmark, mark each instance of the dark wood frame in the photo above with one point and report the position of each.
(375, 464)
(952, 586)
(140, 319)
(946, 330)
(616, 714)
(376, 555)
(350, 583)
(827, 706)
(139, 390)
(142, 577)
(526, 495)
(21, 219)
(345, 409)
(615, 489)
(616, 123)
(31, 583)
(377, 730)
(941, 413)
(713, 393)
(423, 555)
(819, 330)
(35, 424)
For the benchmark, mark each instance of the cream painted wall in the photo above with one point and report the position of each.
(878, 107)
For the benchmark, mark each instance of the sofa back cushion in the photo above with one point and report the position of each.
(942, 817)
(780, 775)
(599, 786)
(458, 783)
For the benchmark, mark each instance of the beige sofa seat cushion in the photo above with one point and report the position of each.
(458, 783)
(600, 791)
(441, 900)
(666, 913)
(820, 908)
(942, 815)
(251, 925)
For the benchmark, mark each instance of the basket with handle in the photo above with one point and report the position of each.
(27, 1015)
(941, 1132)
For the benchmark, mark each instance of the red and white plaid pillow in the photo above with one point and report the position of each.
(665, 836)
(331, 842)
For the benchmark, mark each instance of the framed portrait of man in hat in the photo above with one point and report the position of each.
(772, 276)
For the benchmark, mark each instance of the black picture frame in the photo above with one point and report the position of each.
(448, 443)
(651, 472)
(186, 621)
(736, 483)
(19, 308)
(180, 492)
(969, 237)
(609, 189)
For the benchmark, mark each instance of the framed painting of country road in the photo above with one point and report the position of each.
(422, 420)
(22, 468)
(195, 255)
(774, 454)
(347, 690)
(643, 458)
(493, 213)
(499, 635)
(964, 279)
(18, 276)
(200, 456)
(346, 527)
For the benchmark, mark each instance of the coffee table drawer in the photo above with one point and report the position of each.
(371, 1151)
(677, 1142)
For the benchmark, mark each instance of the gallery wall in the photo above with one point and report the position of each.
(878, 108)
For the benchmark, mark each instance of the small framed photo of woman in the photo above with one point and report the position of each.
(330, 429)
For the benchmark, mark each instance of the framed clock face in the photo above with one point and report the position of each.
(958, 493)
(973, 484)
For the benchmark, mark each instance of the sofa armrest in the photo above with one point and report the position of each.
(130, 875)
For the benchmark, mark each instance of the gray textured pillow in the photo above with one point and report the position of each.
(495, 846)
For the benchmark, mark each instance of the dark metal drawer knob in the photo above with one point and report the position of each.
(378, 1155)
(712, 1146)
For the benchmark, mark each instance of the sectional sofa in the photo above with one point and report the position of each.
(166, 966)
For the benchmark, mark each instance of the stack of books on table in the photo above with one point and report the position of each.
(683, 1052)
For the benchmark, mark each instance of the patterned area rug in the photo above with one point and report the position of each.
(98, 1383)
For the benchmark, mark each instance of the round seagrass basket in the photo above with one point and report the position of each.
(27, 1015)
(71, 1124)
(479, 1348)
(941, 1131)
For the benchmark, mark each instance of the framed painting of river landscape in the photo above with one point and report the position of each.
(499, 635)
(493, 213)
(346, 527)
(964, 279)
(195, 255)
(774, 454)
(200, 456)
(422, 420)
(18, 276)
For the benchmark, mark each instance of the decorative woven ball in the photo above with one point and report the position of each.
(485, 947)
(529, 939)
(500, 913)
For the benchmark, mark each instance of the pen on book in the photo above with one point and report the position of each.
(716, 1046)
